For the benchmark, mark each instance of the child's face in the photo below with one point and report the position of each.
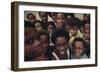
(61, 45)
(31, 18)
(44, 17)
(50, 29)
(86, 17)
(73, 30)
(45, 42)
(87, 31)
(78, 49)
(60, 20)
(38, 26)
(32, 45)
(53, 16)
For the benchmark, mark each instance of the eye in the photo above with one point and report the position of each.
(29, 41)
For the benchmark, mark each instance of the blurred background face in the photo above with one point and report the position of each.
(45, 42)
(31, 18)
(61, 45)
(86, 17)
(73, 30)
(44, 17)
(38, 26)
(50, 29)
(87, 31)
(53, 16)
(60, 20)
(78, 48)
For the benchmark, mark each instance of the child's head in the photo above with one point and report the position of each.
(32, 44)
(60, 20)
(86, 32)
(72, 27)
(69, 16)
(31, 17)
(86, 18)
(51, 27)
(78, 47)
(44, 38)
(38, 26)
(53, 16)
(43, 16)
(60, 39)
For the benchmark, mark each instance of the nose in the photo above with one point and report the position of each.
(36, 43)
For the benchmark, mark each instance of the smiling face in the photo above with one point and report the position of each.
(78, 48)
(61, 45)
(60, 20)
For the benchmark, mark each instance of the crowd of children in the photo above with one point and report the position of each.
(65, 37)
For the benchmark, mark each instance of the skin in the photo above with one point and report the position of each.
(61, 47)
(73, 30)
(60, 20)
(50, 29)
(86, 33)
(38, 26)
(33, 47)
(86, 17)
(45, 42)
(44, 17)
(78, 49)
(53, 16)
(31, 18)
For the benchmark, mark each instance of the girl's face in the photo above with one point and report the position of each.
(78, 49)
(38, 26)
(45, 42)
(73, 30)
(50, 29)
(60, 20)
(61, 45)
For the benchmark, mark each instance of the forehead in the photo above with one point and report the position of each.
(43, 13)
(60, 15)
(61, 39)
(78, 42)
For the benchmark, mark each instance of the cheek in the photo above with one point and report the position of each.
(45, 46)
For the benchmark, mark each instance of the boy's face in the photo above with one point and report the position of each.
(61, 45)
(45, 42)
(44, 17)
(73, 30)
(60, 20)
(32, 45)
(50, 28)
(38, 26)
(78, 48)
